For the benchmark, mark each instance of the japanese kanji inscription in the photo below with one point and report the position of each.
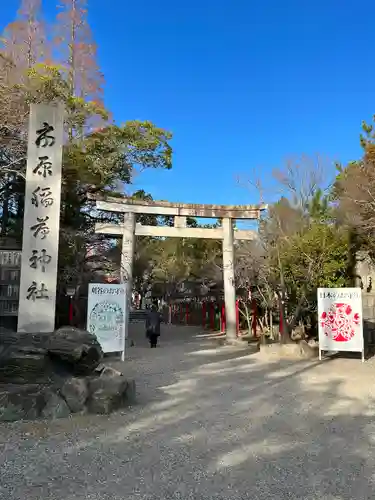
(41, 220)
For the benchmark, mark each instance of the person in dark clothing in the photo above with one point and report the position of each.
(153, 321)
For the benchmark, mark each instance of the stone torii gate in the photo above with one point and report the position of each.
(180, 211)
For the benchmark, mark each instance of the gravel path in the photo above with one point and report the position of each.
(211, 423)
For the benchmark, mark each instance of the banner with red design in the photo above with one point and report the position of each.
(340, 319)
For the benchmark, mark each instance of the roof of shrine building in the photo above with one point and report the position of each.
(124, 204)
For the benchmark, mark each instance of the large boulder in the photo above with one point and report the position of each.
(19, 402)
(55, 406)
(292, 350)
(23, 358)
(52, 375)
(308, 350)
(107, 371)
(78, 349)
(31, 401)
(22, 364)
(109, 393)
(75, 392)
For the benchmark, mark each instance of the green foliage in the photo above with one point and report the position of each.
(318, 207)
(176, 260)
(316, 258)
(303, 247)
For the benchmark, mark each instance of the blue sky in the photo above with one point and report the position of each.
(243, 85)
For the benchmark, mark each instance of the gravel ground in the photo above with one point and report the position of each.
(211, 423)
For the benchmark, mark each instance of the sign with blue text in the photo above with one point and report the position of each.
(106, 315)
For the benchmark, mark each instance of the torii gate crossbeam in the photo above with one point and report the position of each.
(129, 229)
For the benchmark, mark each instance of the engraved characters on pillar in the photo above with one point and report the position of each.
(42, 196)
(41, 199)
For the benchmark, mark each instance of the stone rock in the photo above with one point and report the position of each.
(56, 406)
(21, 402)
(98, 370)
(288, 351)
(77, 348)
(51, 375)
(108, 371)
(280, 351)
(107, 394)
(297, 333)
(24, 364)
(307, 350)
(232, 342)
(75, 392)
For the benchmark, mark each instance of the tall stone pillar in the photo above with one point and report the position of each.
(229, 283)
(40, 242)
(127, 256)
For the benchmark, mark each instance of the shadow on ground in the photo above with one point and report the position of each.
(212, 423)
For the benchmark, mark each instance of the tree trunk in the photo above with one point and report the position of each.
(284, 331)
(248, 318)
(271, 325)
(266, 318)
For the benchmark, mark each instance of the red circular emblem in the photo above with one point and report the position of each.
(340, 322)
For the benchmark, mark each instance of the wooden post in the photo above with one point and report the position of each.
(212, 316)
(223, 325)
(254, 317)
(281, 320)
(237, 317)
(71, 310)
(204, 314)
(169, 314)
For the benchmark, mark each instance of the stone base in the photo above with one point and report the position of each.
(235, 342)
(221, 339)
(296, 351)
(55, 375)
(102, 394)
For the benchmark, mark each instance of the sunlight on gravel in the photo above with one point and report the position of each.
(211, 423)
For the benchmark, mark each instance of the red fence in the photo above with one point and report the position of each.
(209, 315)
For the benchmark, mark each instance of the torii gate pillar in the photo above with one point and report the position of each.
(229, 281)
(127, 257)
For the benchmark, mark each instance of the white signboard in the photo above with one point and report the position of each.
(37, 299)
(107, 316)
(340, 320)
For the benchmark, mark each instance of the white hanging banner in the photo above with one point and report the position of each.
(340, 320)
(106, 315)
